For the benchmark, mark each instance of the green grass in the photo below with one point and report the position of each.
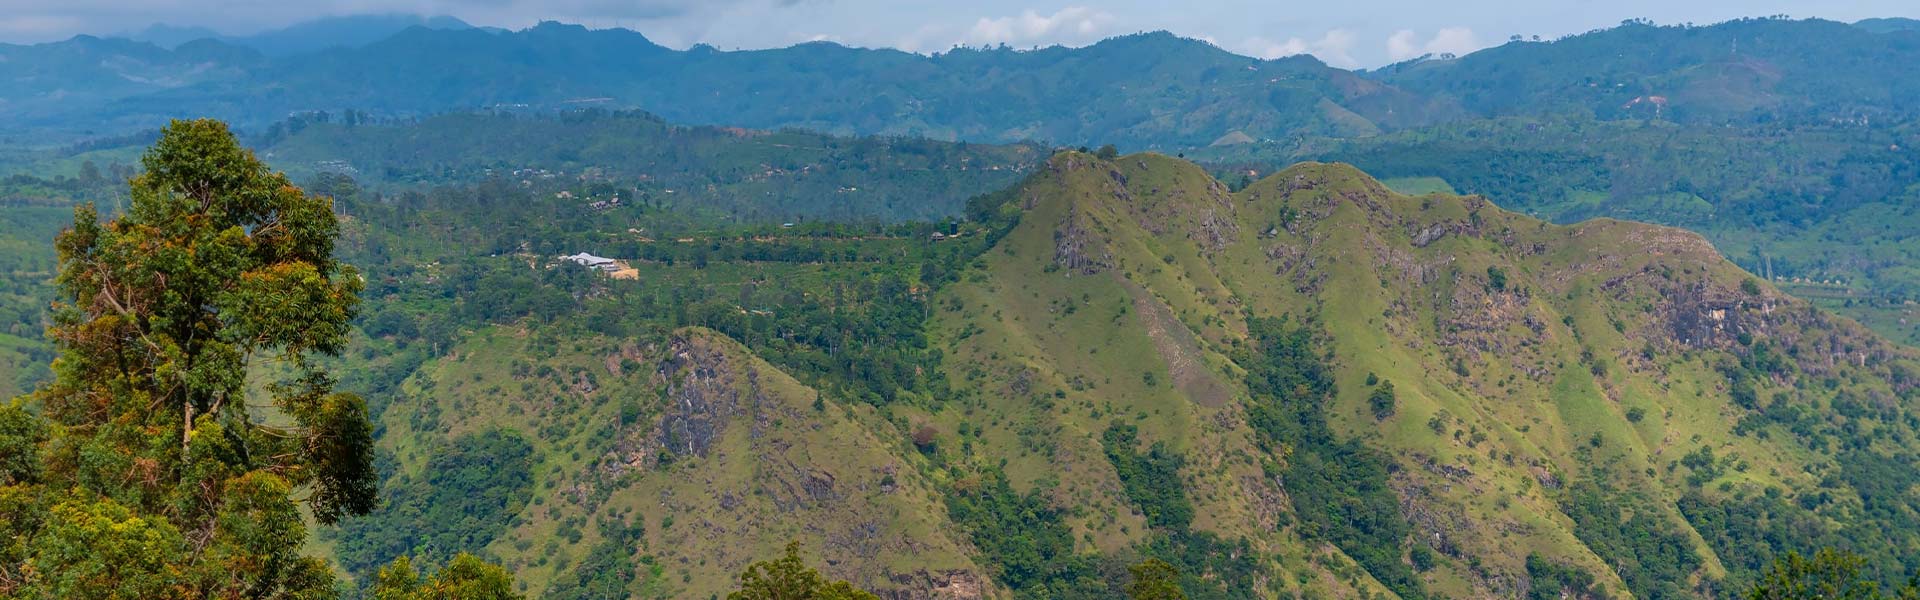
(1418, 186)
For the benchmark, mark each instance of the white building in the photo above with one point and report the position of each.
(592, 262)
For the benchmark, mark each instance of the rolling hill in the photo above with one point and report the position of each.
(1741, 71)
(1826, 211)
(1310, 386)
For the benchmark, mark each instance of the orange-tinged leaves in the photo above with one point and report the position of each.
(216, 260)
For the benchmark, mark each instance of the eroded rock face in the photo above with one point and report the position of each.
(1076, 249)
(943, 585)
(702, 395)
(1425, 236)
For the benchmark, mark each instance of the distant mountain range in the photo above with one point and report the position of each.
(1153, 90)
(308, 36)
(1739, 71)
(1888, 25)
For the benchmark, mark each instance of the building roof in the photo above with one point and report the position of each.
(588, 259)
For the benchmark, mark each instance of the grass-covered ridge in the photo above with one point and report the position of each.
(1532, 364)
(1311, 385)
(1825, 210)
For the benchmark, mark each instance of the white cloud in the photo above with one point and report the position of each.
(1405, 43)
(922, 38)
(1070, 24)
(1457, 40)
(1334, 48)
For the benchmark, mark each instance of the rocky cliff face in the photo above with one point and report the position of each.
(755, 464)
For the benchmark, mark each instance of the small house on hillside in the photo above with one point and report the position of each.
(592, 262)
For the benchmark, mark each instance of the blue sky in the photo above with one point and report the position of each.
(1356, 33)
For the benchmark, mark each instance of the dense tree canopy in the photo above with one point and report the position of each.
(144, 475)
(789, 578)
(465, 578)
(1154, 579)
(1829, 575)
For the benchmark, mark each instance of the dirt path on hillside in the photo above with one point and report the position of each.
(1179, 348)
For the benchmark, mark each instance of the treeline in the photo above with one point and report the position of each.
(1338, 487)
(466, 495)
(746, 176)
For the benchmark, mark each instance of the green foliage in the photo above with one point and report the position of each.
(1154, 579)
(153, 480)
(1382, 401)
(1023, 538)
(1031, 549)
(788, 578)
(1210, 568)
(466, 495)
(1556, 581)
(466, 577)
(608, 570)
(1652, 555)
(1750, 532)
(1338, 488)
(21, 435)
(1829, 575)
(1151, 480)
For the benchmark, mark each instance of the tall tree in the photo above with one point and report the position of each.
(1830, 575)
(789, 578)
(466, 577)
(1154, 579)
(160, 472)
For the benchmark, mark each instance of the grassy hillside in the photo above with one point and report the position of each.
(652, 467)
(1826, 210)
(1593, 397)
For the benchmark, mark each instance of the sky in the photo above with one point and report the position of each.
(1353, 33)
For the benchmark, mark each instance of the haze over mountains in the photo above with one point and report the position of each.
(309, 36)
(627, 318)
(1143, 91)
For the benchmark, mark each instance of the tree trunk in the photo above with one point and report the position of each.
(186, 431)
